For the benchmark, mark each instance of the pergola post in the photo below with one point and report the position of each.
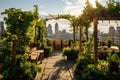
(80, 35)
(95, 22)
(74, 37)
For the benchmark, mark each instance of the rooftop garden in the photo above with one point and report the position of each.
(26, 27)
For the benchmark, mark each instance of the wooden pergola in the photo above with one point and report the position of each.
(95, 22)
(95, 19)
(94, 15)
(111, 11)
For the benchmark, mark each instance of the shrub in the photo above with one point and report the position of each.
(47, 51)
(104, 70)
(71, 53)
(82, 63)
(91, 73)
(108, 68)
(18, 68)
(114, 63)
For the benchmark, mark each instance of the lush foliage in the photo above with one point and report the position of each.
(18, 68)
(19, 33)
(40, 29)
(88, 48)
(19, 27)
(41, 33)
(108, 69)
(71, 53)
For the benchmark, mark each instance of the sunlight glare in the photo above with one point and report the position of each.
(92, 2)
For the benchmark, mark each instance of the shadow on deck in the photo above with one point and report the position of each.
(58, 68)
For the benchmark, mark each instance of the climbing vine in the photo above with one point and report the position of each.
(19, 34)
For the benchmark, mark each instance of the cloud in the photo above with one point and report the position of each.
(43, 13)
(75, 8)
(80, 2)
(72, 7)
(67, 2)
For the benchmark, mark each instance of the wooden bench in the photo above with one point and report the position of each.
(36, 55)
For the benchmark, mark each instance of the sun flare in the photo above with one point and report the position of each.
(92, 2)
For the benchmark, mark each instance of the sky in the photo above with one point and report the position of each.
(46, 7)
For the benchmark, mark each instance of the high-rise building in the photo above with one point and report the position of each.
(117, 36)
(2, 30)
(118, 28)
(49, 29)
(111, 32)
(114, 34)
(56, 28)
(118, 31)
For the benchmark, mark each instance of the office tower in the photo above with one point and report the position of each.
(111, 32)
(118, 31)
(2, 30)
(49, 29)
(56, 28)
(117, 36)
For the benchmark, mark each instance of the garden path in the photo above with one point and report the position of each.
(56, 67)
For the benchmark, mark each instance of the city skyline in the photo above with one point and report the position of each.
(103, 26)
(73, 7)
(113, 33)
(58, 34)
